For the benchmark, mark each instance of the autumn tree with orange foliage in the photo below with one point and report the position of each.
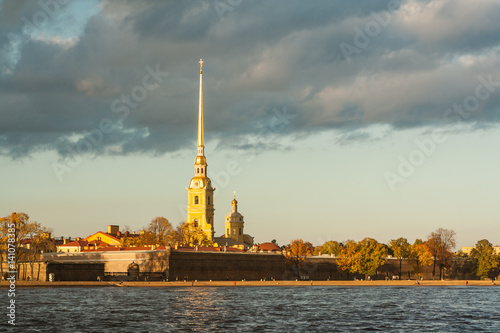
(419, 257)
(188, 235)
(24, 229)
(296, 253)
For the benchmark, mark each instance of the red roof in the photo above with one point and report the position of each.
(268, 246)
(76, 243)
(209, 249)
(118, 248)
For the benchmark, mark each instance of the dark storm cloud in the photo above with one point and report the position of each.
(260, 56)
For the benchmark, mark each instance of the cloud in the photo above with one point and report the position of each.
(63, 82)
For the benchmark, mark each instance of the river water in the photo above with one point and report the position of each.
(257, 309)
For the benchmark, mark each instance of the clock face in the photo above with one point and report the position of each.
(196, 184)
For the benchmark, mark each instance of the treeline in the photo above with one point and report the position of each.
(160, 232)
(367, 255)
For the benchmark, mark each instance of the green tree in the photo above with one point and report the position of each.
(369, 257)
(296, 253)
(441, 244)
(419, 257)
(484, 258)
(331, 247)
(401, 249)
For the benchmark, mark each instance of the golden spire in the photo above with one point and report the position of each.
(234, 202)
(201, 143)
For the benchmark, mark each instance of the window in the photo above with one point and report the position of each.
(196, 200)
(201, 170)
(208, 220)
(195, 222)
(240, 231)
(227, 231)
(208, 200)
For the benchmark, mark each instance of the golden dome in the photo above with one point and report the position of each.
(200, 160)
(234, 202)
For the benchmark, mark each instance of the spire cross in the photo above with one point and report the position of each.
(234, 194)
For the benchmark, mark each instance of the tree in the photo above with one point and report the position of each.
(401, 249)
(162, 231)
(296, 253)
(347, 257)
(19, 225)
(369, 257)
(188, 235)
(331, 247)
(39, 241)
(419, 257)
(484, 258)
(146, 238)
(441, 244)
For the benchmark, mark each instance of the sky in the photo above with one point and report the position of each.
(332, 120)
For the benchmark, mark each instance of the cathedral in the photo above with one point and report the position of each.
(200, 207)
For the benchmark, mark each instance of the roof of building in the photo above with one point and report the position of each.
(119, 248)
(208, 248)
(268, 246)
(76, 243)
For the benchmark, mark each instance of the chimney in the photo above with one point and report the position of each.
(113, 229)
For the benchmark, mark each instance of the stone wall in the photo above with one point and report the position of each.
(120, 265)
(74, 271)
(190, 265)
(25, 271)
(225, 266)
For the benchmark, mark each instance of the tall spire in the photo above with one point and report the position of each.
(201, 143)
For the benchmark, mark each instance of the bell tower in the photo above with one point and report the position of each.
(200, 208)
(234, 222)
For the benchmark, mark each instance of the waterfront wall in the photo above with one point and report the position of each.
(203, 266)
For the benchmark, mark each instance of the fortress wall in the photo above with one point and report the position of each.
(74, 271)
(117, 262)
(203, 266)
(225, 266)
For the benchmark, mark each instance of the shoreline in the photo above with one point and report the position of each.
(159, 284)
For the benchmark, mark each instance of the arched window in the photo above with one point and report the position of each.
(195, 222)
(196, 200)
(201, 170)
(208, 200)
(240, 231)
(198, 170)
(208, 220)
